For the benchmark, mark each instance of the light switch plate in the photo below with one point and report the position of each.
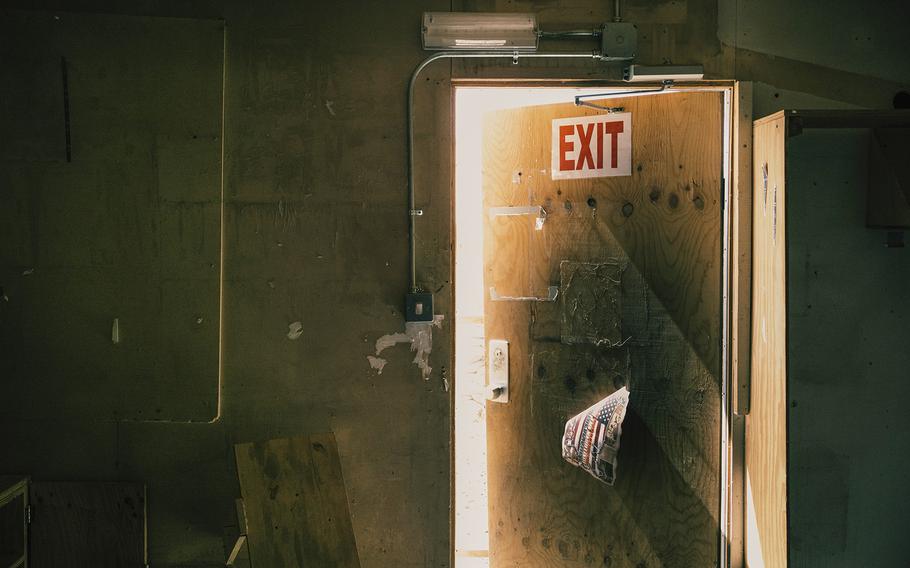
(498, 370)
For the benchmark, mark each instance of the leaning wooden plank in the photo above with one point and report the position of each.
(236, 551)
(766, 424)
(97, 524)
(296, 504)
(11, 486)
(13, 531)
(241, 516)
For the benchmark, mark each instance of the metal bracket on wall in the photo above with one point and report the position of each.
(537, 210)
(552, 293)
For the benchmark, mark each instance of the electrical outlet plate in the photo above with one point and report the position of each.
(498, 374)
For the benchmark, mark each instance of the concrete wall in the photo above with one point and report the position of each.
(315, 231)
(847, 307)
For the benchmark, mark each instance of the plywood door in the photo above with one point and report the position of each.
(766, 424)
(637, 260)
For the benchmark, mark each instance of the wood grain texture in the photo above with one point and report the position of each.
(660, 228)
(90, 524)
(296, 503)
(766, 424)
(740, 313)
(741, 249)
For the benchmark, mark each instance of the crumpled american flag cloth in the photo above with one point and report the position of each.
(591, 439)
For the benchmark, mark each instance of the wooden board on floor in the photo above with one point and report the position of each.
(660, 229)
(97, 524)
(296, 503)
(766, 424)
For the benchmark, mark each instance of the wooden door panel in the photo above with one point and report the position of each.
(509, 270)
(766, 424)
(643, 255)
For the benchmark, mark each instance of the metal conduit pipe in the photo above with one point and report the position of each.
(569, 34)
(514, 56)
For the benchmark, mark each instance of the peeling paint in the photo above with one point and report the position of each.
(389, 340)
(329, 105)
(295, 330)
(377, 363)
(420, 336)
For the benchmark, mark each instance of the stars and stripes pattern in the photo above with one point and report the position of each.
(591, 438)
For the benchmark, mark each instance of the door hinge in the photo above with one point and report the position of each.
(28, 514)
(723, 193)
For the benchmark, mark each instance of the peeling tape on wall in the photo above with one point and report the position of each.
(419, 335)
(377, 363)
(295, 330)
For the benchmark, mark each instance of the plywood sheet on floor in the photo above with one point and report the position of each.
(296, 503)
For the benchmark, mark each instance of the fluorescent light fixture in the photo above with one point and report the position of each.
(479, 31)
(662, 73)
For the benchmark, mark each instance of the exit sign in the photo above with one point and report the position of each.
(592, 146)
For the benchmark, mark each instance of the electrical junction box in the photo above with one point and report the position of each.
(418, 307)
(619, 40)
